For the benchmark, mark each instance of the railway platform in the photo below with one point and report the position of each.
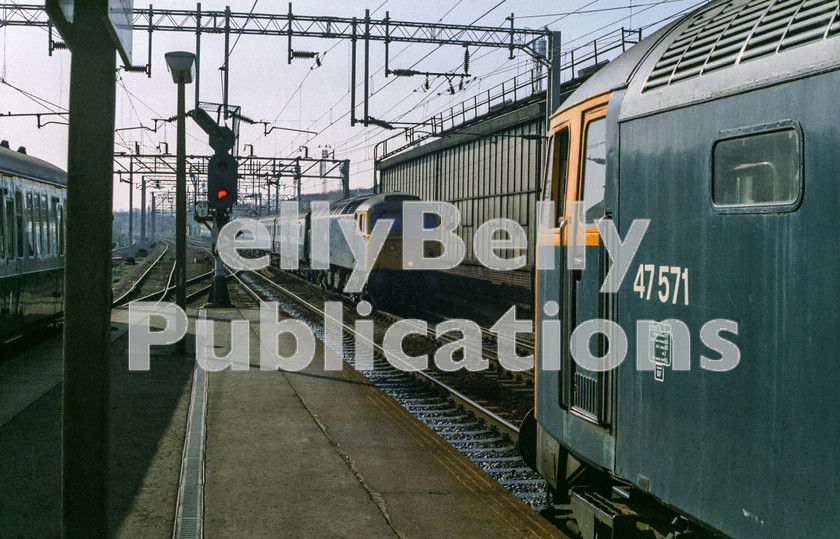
(293, 454)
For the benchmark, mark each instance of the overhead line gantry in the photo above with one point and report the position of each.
(289, 25)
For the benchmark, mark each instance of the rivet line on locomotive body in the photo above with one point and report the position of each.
(388, 280)
(717, 129)
(32, 202)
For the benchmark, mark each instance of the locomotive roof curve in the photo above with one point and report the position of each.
(26, 166)
(722, 48)
(376, 202)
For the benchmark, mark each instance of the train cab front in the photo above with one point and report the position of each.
(391, 276)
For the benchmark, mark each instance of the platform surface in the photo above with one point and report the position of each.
(312, 453)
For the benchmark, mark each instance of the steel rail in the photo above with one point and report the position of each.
(139, 282)
(502, 424)
(160, 295)
(486, 334)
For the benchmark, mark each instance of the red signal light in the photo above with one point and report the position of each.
(222, 193)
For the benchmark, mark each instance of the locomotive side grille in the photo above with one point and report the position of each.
(728, 48)
(664, 68)
(742, 31)
(770, 30)
(809, 24)
(351, 207)
(693, 62)
(586, 394)
(834, 28)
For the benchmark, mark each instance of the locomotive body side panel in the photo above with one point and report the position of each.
(745, 450)
(726, 389)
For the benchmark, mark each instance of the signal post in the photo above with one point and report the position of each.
(221, 194)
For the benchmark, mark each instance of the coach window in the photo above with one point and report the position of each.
(593, 178)
(557, 170)
(53, 230)
(45, 221)
(30, 225)
(10, 227)
(36, 225)
(60, 230)
(758, 169)
(19, 222)
(3, 234)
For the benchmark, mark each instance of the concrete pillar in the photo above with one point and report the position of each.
(87, 274)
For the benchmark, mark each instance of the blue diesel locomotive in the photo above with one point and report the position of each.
(388, 279)
(717, 384)
(32, 202)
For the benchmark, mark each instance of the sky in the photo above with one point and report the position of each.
(301, 95)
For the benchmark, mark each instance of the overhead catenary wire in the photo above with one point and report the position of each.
(306, 76)
(49, 105)
(350, 144)
(477, 58)
(617, 21)
(599, 10)
(250, 12)
(291, 144)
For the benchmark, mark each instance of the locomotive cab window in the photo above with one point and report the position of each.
(396, 217)
(556, 172)
(593, 178)
(429, 220)
(757, 170)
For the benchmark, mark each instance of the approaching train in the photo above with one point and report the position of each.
(387, 279)
(719, 130)
(32, 201)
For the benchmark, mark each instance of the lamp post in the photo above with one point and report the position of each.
(182, 66)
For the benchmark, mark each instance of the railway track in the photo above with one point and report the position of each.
(124, 298)
(161, 295)
(472, 425)
(515, 389)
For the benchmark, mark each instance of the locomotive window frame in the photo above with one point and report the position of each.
(556, 173)
(587, 173)
(798, 160)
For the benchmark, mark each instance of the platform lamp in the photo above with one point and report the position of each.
(182, 66)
